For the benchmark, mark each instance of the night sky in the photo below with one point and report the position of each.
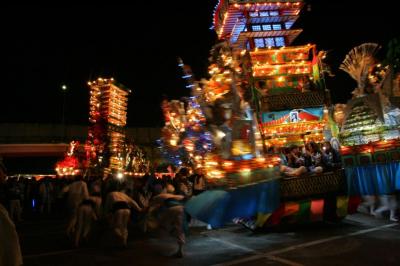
(44, 47)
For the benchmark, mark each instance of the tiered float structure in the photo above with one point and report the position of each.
(370, 130)
(288, 77)
(270, 95)
(107, 151)
(370, 127)
(107, 117)
(288, 94)
(295, 102)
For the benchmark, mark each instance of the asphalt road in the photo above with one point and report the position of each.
(357, 240)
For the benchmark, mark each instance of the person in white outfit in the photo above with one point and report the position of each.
(118, 208)
(10, 251)
(367, 205)
(77, 192)
(14, 197)
(85, 217)
(387, 203)
(167, 213)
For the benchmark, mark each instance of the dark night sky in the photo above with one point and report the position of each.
(45, 47)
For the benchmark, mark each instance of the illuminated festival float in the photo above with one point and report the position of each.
(107, 150)
(370, 124)
(107, 117)
(185, 139)
(262, 95)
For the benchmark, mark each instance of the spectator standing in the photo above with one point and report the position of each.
(14, 194)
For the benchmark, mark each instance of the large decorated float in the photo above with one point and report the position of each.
(370, 124)
(107, 151)
(262, 95)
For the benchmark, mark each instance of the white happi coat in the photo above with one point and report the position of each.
(85, 216)
(10, 251)
(77, 192)
(169, 219)
(120, 218)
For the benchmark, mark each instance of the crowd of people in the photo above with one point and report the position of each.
(152, 203)
(312, 158)
(316, 159)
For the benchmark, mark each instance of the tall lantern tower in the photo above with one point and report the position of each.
(288, 78)
(107, 117)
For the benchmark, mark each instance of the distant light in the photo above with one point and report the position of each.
(64, 87)
(120, 175)
(220, 134)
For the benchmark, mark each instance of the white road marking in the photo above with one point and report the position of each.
(303, 245)
(272, 255)
(284, 261)
(258, 255)
(330, 239)
(242, 260)
(372, 229)
(228, 243)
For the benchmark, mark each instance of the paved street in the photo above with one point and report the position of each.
(358, 240)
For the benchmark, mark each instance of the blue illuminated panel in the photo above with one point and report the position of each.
(279, 41)
(259, 42)
(269, 42)
(276, 26)
(266, 27)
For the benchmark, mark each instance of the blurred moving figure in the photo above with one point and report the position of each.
(118, 207)
(10, 251)
(77, 192)
(168, 214)
(387, 203)
(85, 217)
(14, 194)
